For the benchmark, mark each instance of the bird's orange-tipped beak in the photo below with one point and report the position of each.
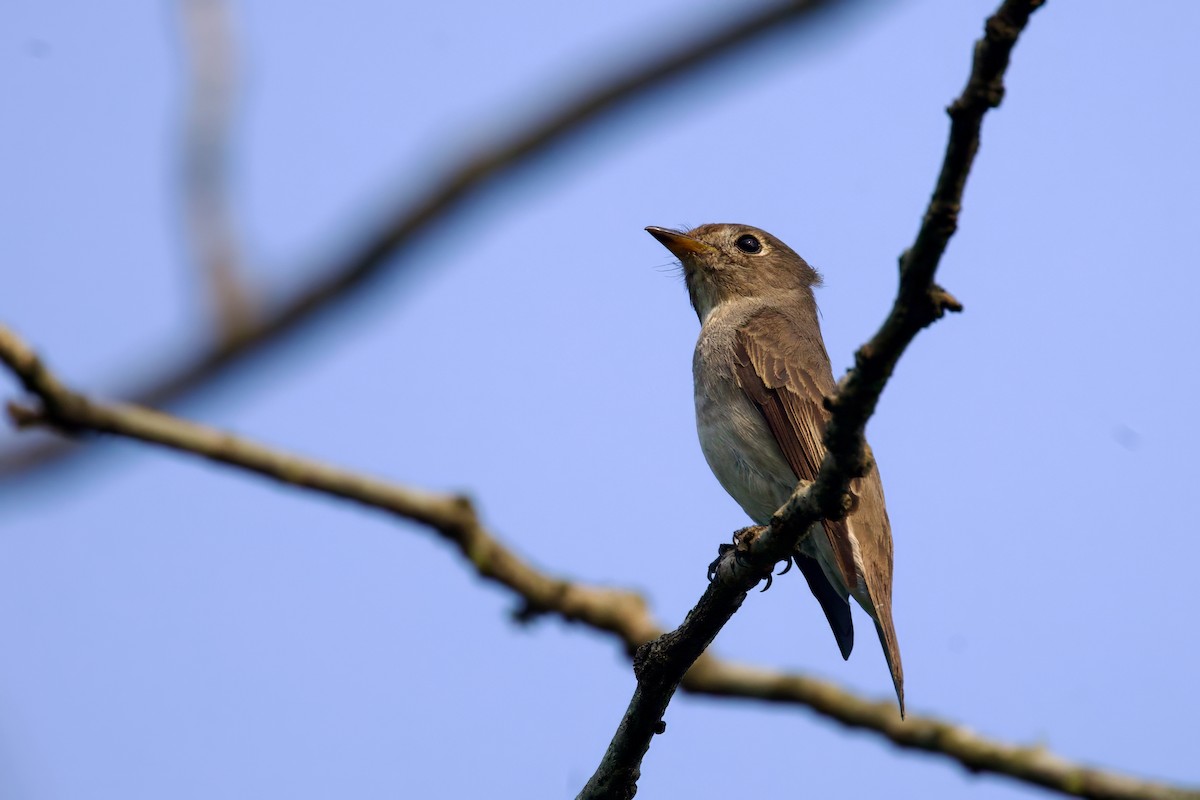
(680, 244)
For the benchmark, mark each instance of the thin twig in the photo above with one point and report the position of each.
(475, 173)
(661, 665)
(623, 614)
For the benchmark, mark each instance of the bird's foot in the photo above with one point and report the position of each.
(743, 539)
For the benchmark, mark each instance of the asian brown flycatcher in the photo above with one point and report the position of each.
(761, 375)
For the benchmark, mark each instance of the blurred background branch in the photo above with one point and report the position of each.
(212, 98)
(285, 310)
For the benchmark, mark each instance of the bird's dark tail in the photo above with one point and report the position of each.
(836, 607)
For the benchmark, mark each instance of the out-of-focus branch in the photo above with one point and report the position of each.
(661, 664)
(208, 34)
(621, 613)
(475, 173)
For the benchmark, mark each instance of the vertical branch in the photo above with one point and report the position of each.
(661, 665)
(208, 35)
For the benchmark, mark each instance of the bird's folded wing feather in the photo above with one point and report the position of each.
(786, 375)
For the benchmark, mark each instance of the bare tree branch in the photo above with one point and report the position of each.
(618, 612)
(208, 34)
(1029, 764)
(661, 664)
(475, 173)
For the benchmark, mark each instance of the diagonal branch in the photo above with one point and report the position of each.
(475, 173)
(661, 665)
(620, 613)
(452, 517)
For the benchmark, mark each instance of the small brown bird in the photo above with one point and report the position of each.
(761, 373)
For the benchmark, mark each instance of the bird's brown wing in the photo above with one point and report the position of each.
(785, 372)
(787, 377)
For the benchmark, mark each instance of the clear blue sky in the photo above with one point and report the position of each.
(172, 629)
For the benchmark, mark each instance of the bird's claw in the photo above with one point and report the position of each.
(787, 566)
(712, 568)
(742, 541)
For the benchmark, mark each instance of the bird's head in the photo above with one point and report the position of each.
(723, 262)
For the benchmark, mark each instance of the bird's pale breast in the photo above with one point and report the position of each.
(735, 439)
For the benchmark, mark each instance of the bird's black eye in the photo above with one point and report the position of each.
(748, 244)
